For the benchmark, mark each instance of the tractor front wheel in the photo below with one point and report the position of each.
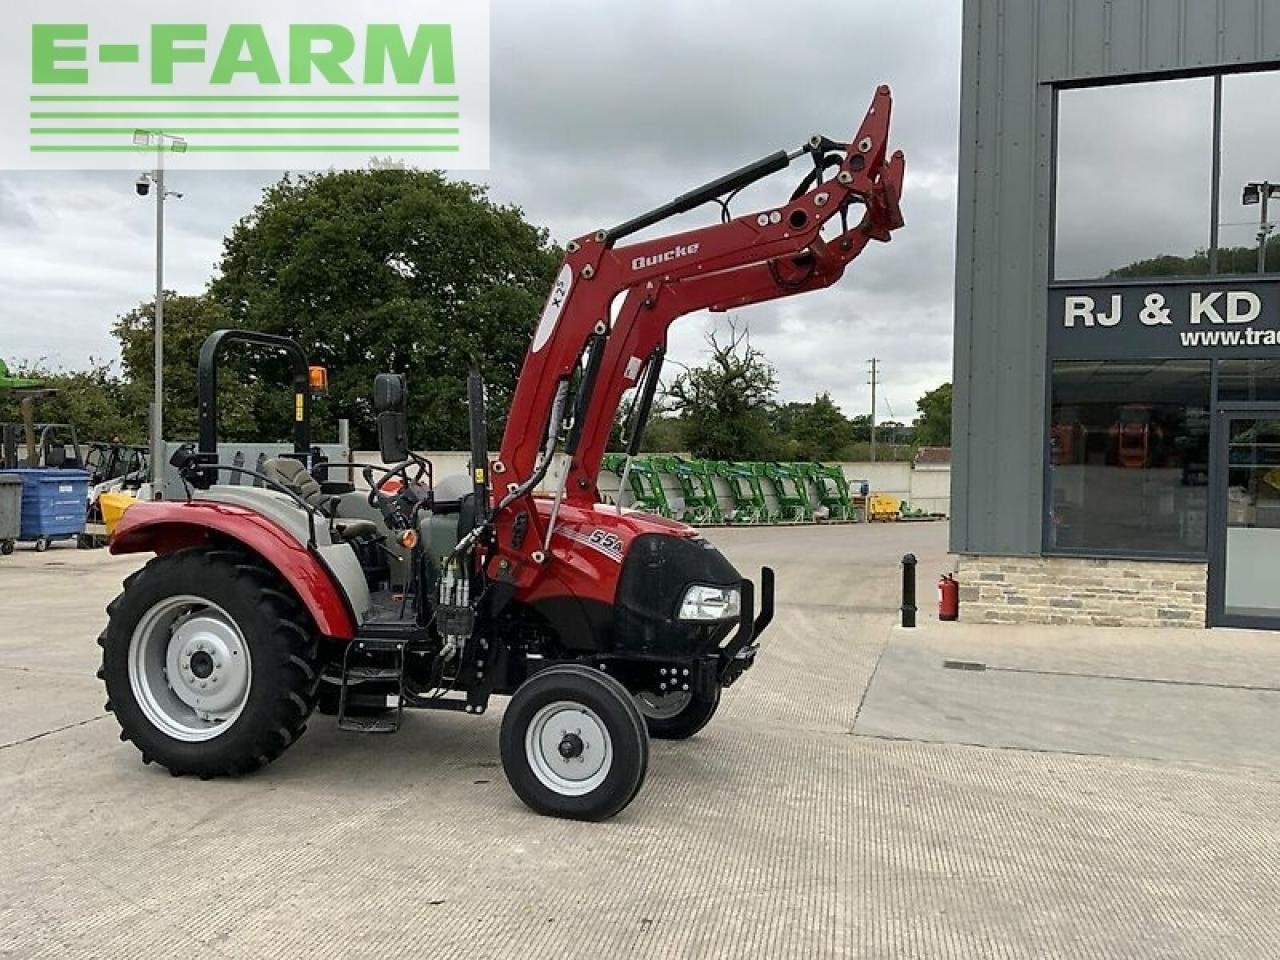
(573, 744)
(677, 715)
(210, 664)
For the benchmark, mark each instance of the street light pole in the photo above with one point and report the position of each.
(162, 141)
(874, 364)
(157, 407)
(1261, 193)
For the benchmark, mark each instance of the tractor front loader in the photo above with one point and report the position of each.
(604, 626)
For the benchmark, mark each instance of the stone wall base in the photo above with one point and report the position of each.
(1103, 593)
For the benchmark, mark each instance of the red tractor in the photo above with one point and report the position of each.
(271, 596)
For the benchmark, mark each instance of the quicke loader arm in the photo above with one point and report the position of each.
(765, 255)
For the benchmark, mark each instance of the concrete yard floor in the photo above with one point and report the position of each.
(980, 813)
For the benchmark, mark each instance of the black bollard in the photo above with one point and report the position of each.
(909, 590)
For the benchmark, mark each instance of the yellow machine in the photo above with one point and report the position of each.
(883, 507)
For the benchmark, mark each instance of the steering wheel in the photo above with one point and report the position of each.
(389, 505)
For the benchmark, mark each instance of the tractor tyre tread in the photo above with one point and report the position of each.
(688, 722)
(282, 644)
(613, 704)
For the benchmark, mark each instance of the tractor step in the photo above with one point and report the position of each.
(385, 722)
(360, 674)
(371, 699)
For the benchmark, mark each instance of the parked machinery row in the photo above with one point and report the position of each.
(723, 491)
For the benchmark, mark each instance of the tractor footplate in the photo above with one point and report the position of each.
(372, 693)
(386, 722)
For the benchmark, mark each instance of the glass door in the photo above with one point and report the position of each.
(1245, 580)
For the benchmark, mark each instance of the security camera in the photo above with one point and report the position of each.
(143, 186)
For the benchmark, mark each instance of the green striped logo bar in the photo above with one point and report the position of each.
(105, 86)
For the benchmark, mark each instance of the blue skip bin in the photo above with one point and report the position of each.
(53, 504)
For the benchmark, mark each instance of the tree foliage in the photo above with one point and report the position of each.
(187, 322)
(391, 270)
(92, 400)
(725, 404)
(812, 431)
(933, 426)
(664, 434)
(1231, 261)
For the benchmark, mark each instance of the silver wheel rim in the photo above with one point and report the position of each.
(568, 748)
(189, 668)
(663, 706)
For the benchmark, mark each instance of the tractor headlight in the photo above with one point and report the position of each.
(703, 602)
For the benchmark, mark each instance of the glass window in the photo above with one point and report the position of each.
(1250, 156)
(1134, 180)
(1129, 457)
(1253, 517)
(1247, 381)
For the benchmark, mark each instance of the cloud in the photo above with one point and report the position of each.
(13, 210)
(85, 253)
(599, 111)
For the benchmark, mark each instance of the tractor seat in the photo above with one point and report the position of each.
(293, 475)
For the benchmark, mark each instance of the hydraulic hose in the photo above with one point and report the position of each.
(548, 449)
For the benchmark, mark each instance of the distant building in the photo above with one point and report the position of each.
(933, 458)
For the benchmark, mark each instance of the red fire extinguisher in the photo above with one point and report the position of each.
(948, 598)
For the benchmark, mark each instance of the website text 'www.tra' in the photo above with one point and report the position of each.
(1230, 338)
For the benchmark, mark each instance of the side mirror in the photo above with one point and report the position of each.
(390, 394)
(393, 436)
(390, 399)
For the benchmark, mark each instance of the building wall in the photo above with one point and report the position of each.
(1100, 593)
(1013, 51)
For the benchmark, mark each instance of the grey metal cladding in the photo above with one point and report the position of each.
(1089, 39)
(1013, 50)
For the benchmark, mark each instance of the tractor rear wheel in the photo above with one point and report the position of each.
(677, 715)
(573, 744)
(210, 663)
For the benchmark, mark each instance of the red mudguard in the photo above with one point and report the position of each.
(163, 527)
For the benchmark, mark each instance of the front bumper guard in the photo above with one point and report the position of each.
(739, 653)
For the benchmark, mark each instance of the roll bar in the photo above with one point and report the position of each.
(207, 386)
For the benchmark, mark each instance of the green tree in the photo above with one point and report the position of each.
(1231, 260)
(782, 420)
(664, 434)
(187, 322)
(92, 400)
(811, 431)
(933, 426)
(860, 426)
(398, 270)
(820, 431)
(725, 404)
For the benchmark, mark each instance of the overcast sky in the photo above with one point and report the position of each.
(600, 110)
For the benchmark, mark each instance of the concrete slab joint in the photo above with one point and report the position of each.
(1080, 590)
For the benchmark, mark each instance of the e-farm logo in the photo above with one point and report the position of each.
(316, 84)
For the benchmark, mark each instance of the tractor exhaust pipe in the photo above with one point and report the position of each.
(479, 444)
